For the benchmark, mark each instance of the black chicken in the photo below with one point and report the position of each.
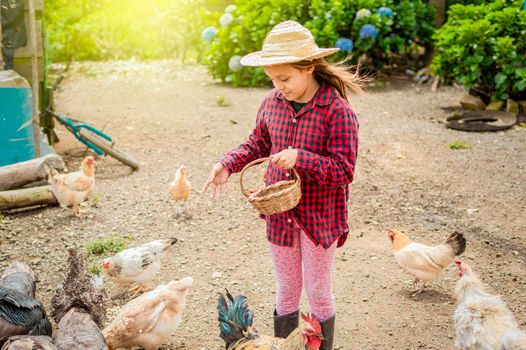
(20, 313)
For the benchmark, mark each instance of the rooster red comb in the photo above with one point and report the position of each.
(309, 318)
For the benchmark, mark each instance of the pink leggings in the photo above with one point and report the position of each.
(317, 263)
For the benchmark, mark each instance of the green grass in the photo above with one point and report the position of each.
(223, 101)
(2, 218)
(96, 198)
(107, 246)
(457, 144)
(95, 268)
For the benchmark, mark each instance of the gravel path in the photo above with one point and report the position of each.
(407, 177)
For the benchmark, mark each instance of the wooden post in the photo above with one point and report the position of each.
(1, 38)
(34, 76)
(26, 197)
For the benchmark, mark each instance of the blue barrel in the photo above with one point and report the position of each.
(17, 143)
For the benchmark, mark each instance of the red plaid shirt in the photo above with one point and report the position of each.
(325, 131)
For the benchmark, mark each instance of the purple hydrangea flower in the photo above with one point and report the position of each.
(368, 31)
(385, 11)
(345, 44)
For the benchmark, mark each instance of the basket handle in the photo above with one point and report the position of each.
(255, 162)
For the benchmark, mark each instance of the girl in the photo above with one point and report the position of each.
(305, 123)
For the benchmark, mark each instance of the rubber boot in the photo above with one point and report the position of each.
(327, 330)
(285, 324)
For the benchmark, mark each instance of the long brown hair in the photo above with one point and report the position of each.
(338, 75)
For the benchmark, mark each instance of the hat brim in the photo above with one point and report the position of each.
(261, 58)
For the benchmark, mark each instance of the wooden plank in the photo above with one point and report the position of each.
(26, 51)
(19, 174)
(23, 67)
(34, 76)
(1, 59)
(39, 5)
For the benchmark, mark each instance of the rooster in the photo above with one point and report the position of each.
(149, 319)
(73, 188)
(137, 265)
(180, 189)
(482, 320)
(235, 325)
(79, 309)
(20, 313)
(425, 263)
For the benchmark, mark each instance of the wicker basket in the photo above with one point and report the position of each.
(276, 198)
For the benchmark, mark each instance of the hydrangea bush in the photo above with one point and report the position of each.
(381, 32)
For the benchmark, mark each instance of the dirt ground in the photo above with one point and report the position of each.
(407, 177)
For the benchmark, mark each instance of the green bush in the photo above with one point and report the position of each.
(399, 36)
(483, 48)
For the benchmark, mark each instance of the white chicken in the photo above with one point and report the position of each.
(424, 262)
(149, 319)
(73, 188)
(482, 320)
(138, 264)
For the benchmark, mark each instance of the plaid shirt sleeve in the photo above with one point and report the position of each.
(336, 168)
(257, 145)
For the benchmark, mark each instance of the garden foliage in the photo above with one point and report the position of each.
(483, 48)
(382, 32)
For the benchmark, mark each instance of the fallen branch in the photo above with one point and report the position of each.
(19, 174)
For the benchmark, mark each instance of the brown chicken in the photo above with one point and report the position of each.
(482, 320)
(149, 319)
(425, 263)
(74, 188)
(79, 308)
(29, 342)
(235, 325)
(180, 189)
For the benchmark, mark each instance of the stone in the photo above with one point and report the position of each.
(495, 106)
(472, 103)
(512, 106)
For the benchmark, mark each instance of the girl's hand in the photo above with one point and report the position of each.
(217, 179)
(285, 159)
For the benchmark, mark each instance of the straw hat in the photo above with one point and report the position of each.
(287, 42)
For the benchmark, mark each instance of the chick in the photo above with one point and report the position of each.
(180, 190)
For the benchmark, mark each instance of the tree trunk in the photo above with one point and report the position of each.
(26, 197)
(19, 174)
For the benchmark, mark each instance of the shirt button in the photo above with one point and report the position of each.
(290, 147)
(294, 120)
(289, 220)
(287, 175)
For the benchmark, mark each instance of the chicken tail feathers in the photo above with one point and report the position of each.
(235, 318)
(457, 241)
